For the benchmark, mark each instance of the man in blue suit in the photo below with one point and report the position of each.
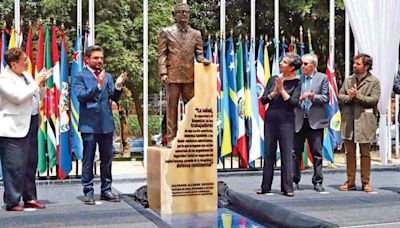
(94, 89)
(311, 119)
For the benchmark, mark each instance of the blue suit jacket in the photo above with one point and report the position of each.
(95, 106)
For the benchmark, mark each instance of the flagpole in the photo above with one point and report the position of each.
(276, 21)
(91, 40)
(253, 20)
(347, 46)
(145, 79)
(332, 33)
(17, 20)
(79, 17)
(222, 18)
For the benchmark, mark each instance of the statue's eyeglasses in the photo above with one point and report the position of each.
(182, 12)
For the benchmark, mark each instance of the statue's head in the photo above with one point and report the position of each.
(182, 13)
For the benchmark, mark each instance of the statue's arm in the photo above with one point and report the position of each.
(199, 49)
(162, 53)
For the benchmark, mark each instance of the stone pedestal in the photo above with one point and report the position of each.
(183, 179)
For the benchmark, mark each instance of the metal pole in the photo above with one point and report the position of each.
(222, 18)
(347, 46)
(253, 20)
(91, 40)
(79, 17)
(276, 20)
(145, 79)
(332, 32)
(17, 20)
(388, 130)
(397, 125)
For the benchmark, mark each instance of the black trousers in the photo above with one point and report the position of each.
(89, 149)
(14, 159)
(283, 131)
(29, 192)
(315, 139)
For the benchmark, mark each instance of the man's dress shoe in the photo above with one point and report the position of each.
(319, 188)
(34, 204)
(109, 196)
(15, 208)
(89, 200)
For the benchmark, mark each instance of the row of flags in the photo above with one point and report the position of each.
(58, 135)
(241, 80)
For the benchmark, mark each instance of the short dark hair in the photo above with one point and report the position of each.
(294, 60)
(13, 55)
(366, 59)
(181, 4)
(93, 48)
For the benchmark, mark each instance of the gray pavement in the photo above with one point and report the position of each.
(352, 209)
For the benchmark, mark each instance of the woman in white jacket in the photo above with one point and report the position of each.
(18, 93)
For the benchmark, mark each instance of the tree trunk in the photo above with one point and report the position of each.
(139, 111)
(123, 119)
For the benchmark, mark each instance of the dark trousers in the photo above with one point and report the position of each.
(174, 91)
(29, 192)
(104, 142)
(315, 139)
(283, 132)
(14, 159)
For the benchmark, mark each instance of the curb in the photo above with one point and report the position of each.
(143, 178)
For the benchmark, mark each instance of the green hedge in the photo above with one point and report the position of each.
(134, 128)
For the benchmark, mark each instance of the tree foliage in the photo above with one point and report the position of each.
(119, 29)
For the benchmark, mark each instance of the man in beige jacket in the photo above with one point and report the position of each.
(358, 97)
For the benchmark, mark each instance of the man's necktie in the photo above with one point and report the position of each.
(97, 74)
(307, 89)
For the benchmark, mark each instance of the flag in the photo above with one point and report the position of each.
(275, 64)
(255, 144)
(42, 105)
(284, 46)
(209, 52)
(332, 138)
(267, 68)
(12, 43)
(85, 46)
(247, 99)
(260, 86)
(3, 50)
(242, 142)
(55, 61)
(50, 99)
(298, 72)
(215, 60)
(65, 157)
(233, 102)
(29, 52)
(77, 146)
(226, 147)
(20, 38)
(309, 42)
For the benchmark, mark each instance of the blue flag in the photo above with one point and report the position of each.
(209, 52)
(255, 144)
(233, 102)
(77, 64)
(65, 159)
(226, 146)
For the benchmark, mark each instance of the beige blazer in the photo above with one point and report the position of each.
(16, 104)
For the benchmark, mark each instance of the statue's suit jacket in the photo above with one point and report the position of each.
(95, 106)
(317, 115)
(16, 103)
(176, 53)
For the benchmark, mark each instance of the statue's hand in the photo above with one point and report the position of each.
(206, 62)
(164, 79)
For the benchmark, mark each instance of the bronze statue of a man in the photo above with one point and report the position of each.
(178, 45)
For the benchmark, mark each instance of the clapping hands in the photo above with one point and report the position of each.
(42, 77)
